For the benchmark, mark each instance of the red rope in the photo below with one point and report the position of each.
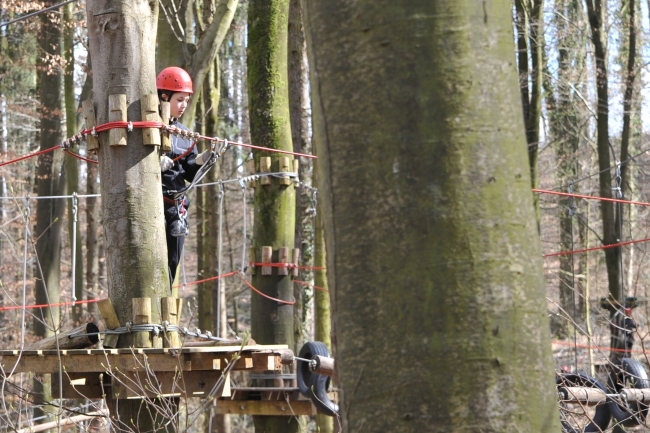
(92, 161)
(229, 274)
(186, 152)
(590, 197)
(264, 295)
(602, 247)
(40, 152)
(60, 304)
(302, 283)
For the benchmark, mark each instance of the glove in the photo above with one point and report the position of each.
(165, 163)
(203, 157)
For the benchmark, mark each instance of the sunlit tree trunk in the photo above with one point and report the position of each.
(72, 164)
(121, 39)
(434, 261)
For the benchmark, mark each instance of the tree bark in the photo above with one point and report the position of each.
(122, 44)
(434, 262)
(271, 321)
(49, 212)
(72, 164)
(611, 233)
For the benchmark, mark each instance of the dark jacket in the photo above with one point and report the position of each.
(184, 169)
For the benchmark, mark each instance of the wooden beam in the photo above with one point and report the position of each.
(67, 340)
(166, 140)
(259, 407)
(110, 321)
(149, 112)
(253, 358)
(91, 122)
(116, 113)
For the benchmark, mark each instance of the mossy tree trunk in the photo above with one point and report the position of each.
(122, 43)
(49, 212)
(322, 312)
(434, 263)
(271, 321)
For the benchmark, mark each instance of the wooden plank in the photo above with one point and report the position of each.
(267, 257)
(110, 321)
(268, 407)
(149, 113)
(116, 113)
(170, 312)
(265, 167)
(166, 140)
(95, 363)
(91, 121)
(246, 362)
(207, 349)
(250, 165)
(251, 257)
(283, 257)
(284, 164)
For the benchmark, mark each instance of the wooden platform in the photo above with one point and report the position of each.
(134, 373)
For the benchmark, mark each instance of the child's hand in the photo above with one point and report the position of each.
(165, 163)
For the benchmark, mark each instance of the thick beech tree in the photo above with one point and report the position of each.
(434, 262)
(121, 39)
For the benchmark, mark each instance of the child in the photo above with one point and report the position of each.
(179, 165)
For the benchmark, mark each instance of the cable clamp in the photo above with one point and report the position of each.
(93, 132)
(129, 127)
(128, 326)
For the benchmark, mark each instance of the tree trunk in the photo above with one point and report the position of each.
(122, 44)
(322, 314)
(299, 114)
(49, 212)
(611, 233)
(271, 321)
(434, 262)
(529, 26)
(72, 164)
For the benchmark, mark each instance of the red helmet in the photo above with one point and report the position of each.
(174, 79)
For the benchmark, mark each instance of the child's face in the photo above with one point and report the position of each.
(178, 104)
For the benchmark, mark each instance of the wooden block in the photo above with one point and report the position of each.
(250, 166)
(264, 407)
(284, 165)
(149, 112)
(267, 254)
(116, 113)
(170, 313)
(265, 167)
(295, 259)
(283, 257)
(110, 321)
(142, 316)
(91, 122)
(251, 258)
(166, 140)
